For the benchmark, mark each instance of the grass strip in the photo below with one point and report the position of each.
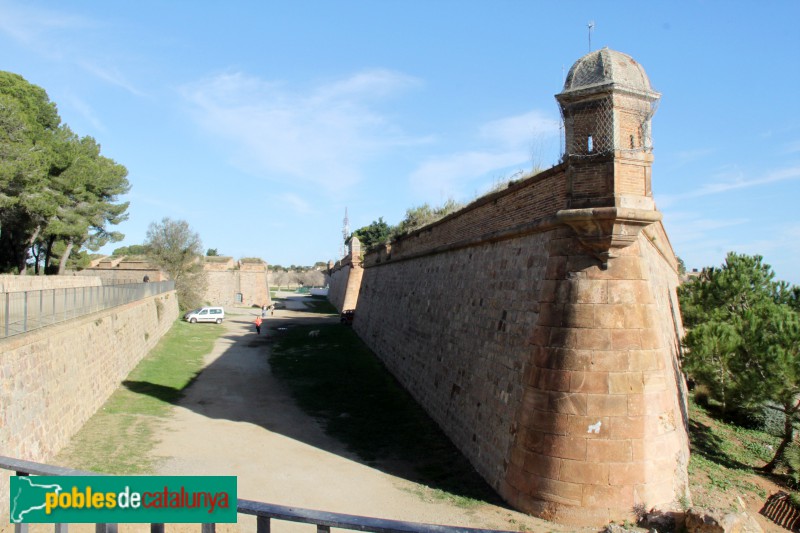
(337, 379)
(117, 439)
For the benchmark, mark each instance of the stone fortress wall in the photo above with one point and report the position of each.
(539, 325)
(230, 280)
(345, 278)
(52, 380)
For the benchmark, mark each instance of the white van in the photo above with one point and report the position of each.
(205, 314)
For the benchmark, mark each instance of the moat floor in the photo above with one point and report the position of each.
(237, 419)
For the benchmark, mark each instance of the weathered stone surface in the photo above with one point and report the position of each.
(53, 379)
(717, 521)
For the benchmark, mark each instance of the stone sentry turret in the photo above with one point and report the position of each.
(603, 424)
(607, 104)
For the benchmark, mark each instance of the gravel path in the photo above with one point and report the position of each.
(237, 419)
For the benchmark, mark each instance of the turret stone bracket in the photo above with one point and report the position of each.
(605, 230)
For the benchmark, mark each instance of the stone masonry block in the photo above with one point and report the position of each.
(583, 472)
(552, 423)
(610, 316)
(564, 447)
(556, 268)
(590, 291)
(627, 427)
(629, 292)
(610, 360)
(607, 405)
(541, 336)
(651, 338)
(547, 290)
(624, 268)
(572, 359)
(577, 315)
(625, 382)
(518, 478)
(589, 382)
(534, 399)
(550, 314)
(644, 360)
(608, 451)
(661, 491)
(587, 426)
(618, 497)
(586, 339)
(625, 339)
(554, 380)
(558, 491)
(637, 316)
(547, 467)
(568, 403)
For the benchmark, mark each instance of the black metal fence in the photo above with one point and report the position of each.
(25, 311)
(265, 513)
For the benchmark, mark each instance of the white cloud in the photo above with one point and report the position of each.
(792, 147)
(520, 130)
(34, 26)
(732, 181)
(322, 136)
(110, 75)
(295, 202)
(445, 176)
(503, 143)
(86, 111)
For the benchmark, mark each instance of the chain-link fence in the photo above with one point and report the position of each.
(28, 310)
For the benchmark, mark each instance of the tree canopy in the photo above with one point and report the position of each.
(743, 339)
(375, 233)
(175, 248)
(57, 192)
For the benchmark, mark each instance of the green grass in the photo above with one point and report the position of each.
(337, 379)
(119, 436)
(320, 304)
(725, 456)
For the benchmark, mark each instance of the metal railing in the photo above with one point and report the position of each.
(25, 311)
(265, 513)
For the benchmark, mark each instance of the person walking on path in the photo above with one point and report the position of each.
(258, 325)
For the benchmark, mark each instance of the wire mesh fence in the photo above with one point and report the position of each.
(25, 311)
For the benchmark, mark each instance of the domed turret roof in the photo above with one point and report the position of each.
(607, 67)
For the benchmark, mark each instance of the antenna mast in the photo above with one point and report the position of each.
(345, 232)
(591, 27)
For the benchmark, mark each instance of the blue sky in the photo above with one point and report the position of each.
(259, 122)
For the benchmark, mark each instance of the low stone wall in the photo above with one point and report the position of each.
(52, 380)
(15, 283)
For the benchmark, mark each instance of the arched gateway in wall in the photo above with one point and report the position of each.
(539, 325)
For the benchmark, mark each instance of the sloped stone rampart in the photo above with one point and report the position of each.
(15, 283)
(53, 379)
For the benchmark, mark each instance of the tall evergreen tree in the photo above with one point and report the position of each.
(743, 339)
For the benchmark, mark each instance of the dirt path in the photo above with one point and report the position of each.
(237, 419)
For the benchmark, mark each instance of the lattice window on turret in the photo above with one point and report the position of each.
(604, 125)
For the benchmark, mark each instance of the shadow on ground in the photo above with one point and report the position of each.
(335, 380)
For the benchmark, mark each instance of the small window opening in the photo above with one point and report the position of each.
(238, 297)
(633, 143)
(589, 144)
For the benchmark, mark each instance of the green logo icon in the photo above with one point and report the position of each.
(123, 499)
